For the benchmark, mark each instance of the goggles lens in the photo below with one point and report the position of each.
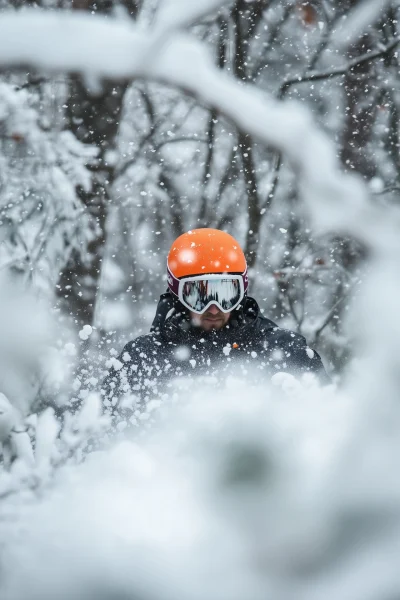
(226, 293)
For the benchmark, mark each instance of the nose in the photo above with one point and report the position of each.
(213, 309)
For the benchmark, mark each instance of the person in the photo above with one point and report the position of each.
(205, 324)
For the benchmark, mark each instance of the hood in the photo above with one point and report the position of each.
(173, 323)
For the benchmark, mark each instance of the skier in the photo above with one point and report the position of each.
(205, 324)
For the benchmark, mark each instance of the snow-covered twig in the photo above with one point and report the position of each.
(182, 138)
(340, 71)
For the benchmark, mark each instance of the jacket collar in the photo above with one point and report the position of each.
(172, 322)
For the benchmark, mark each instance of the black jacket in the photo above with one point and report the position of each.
(250, 345)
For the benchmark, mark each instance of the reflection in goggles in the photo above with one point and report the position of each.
(225, 292)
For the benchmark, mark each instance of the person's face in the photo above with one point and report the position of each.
(213, 318)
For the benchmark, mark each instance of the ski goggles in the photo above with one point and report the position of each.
(198, 293)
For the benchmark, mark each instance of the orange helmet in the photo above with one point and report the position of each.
(202, 252)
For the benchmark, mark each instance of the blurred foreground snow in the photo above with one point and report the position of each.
(281, 492)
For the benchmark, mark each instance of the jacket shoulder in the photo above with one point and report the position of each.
(264, 324)
(143, 341)
(130, 365)
(271, 330)
(141, 347)
(286, 336)
(296, 351)
(287, 339)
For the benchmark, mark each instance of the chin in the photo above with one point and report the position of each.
(209, 326)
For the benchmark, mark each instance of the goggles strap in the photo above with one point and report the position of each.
(245, 278)
(173, 283)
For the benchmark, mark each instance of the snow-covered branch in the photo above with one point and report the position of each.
(116, 50)
(180, 14)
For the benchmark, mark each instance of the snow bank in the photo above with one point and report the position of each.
(282, 493)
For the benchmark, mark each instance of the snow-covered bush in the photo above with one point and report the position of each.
(42, 166)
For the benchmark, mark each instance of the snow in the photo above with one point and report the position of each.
(8, 417)
(47, 429)
(43, 171)
(258, 489)
(70, 349)
(376, 185)
(310, 352)
(182, 353)
(114, 363)
(85, 332)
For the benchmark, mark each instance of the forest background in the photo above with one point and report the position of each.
(99, 177)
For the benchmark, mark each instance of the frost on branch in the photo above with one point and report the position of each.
(42, 218)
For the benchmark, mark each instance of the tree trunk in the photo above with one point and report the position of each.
(360, 114)
(206, 211)
(245, 144)
(94, 119)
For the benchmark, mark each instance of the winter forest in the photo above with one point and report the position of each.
(124, 124)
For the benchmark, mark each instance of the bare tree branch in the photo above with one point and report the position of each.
(340, 71)
(274, 184)
(274, 33)
(327, 319)
(387, 190)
